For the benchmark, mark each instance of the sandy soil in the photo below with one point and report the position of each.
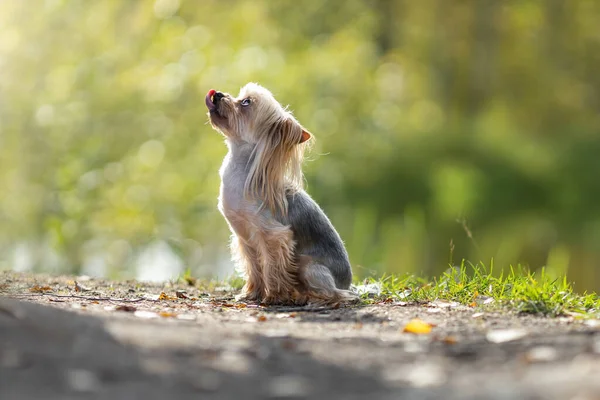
(97, 339)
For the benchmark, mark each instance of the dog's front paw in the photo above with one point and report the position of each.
(250, 296)
(283, 299)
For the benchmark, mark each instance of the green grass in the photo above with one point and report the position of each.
(473, 285)
(520, 290)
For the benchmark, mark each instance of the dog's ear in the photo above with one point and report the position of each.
(306, 135)
(294, 131)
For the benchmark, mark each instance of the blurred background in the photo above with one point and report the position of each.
(446, 130)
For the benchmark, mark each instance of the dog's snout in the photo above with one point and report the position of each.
(217, 96)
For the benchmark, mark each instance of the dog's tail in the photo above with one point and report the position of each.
(320, 286)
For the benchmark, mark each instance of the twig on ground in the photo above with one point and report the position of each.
(73, 296)
(299, 309)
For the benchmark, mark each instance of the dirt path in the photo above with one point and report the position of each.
(109, 340)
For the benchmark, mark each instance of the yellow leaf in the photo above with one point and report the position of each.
(418, 327)
(164, 296)
(165, 314)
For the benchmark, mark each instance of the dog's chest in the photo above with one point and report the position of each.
(231, 197)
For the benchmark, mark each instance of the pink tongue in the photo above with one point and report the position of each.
(209, 102)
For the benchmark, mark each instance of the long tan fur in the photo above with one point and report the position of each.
(276, 164)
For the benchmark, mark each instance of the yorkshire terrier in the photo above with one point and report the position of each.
(284, 244)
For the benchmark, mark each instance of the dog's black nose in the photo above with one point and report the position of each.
(217, 96)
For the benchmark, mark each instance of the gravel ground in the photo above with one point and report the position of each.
(75, 337)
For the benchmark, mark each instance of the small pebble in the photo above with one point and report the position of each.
(541, 354)
(81, 380)
(289, 386)
(145, 314)
(505, 335)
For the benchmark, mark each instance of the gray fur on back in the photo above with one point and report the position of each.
(316, 237)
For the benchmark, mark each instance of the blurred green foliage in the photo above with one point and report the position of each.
(445, 129)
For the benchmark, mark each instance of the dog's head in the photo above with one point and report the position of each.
(252, 116)
(277, 140)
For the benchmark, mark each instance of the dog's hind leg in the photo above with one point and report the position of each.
(320, 286)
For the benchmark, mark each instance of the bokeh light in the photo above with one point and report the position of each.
(445, 130)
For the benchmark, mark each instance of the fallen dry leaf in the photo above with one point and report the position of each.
(166, 314)
(450, 340)
(126, 308)
(417, 327)
(164, 296)
(40, 289)
(261, 318)
(181, 294)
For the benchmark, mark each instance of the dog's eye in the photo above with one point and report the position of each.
(246, 102)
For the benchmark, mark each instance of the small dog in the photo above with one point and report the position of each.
(283, 242)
